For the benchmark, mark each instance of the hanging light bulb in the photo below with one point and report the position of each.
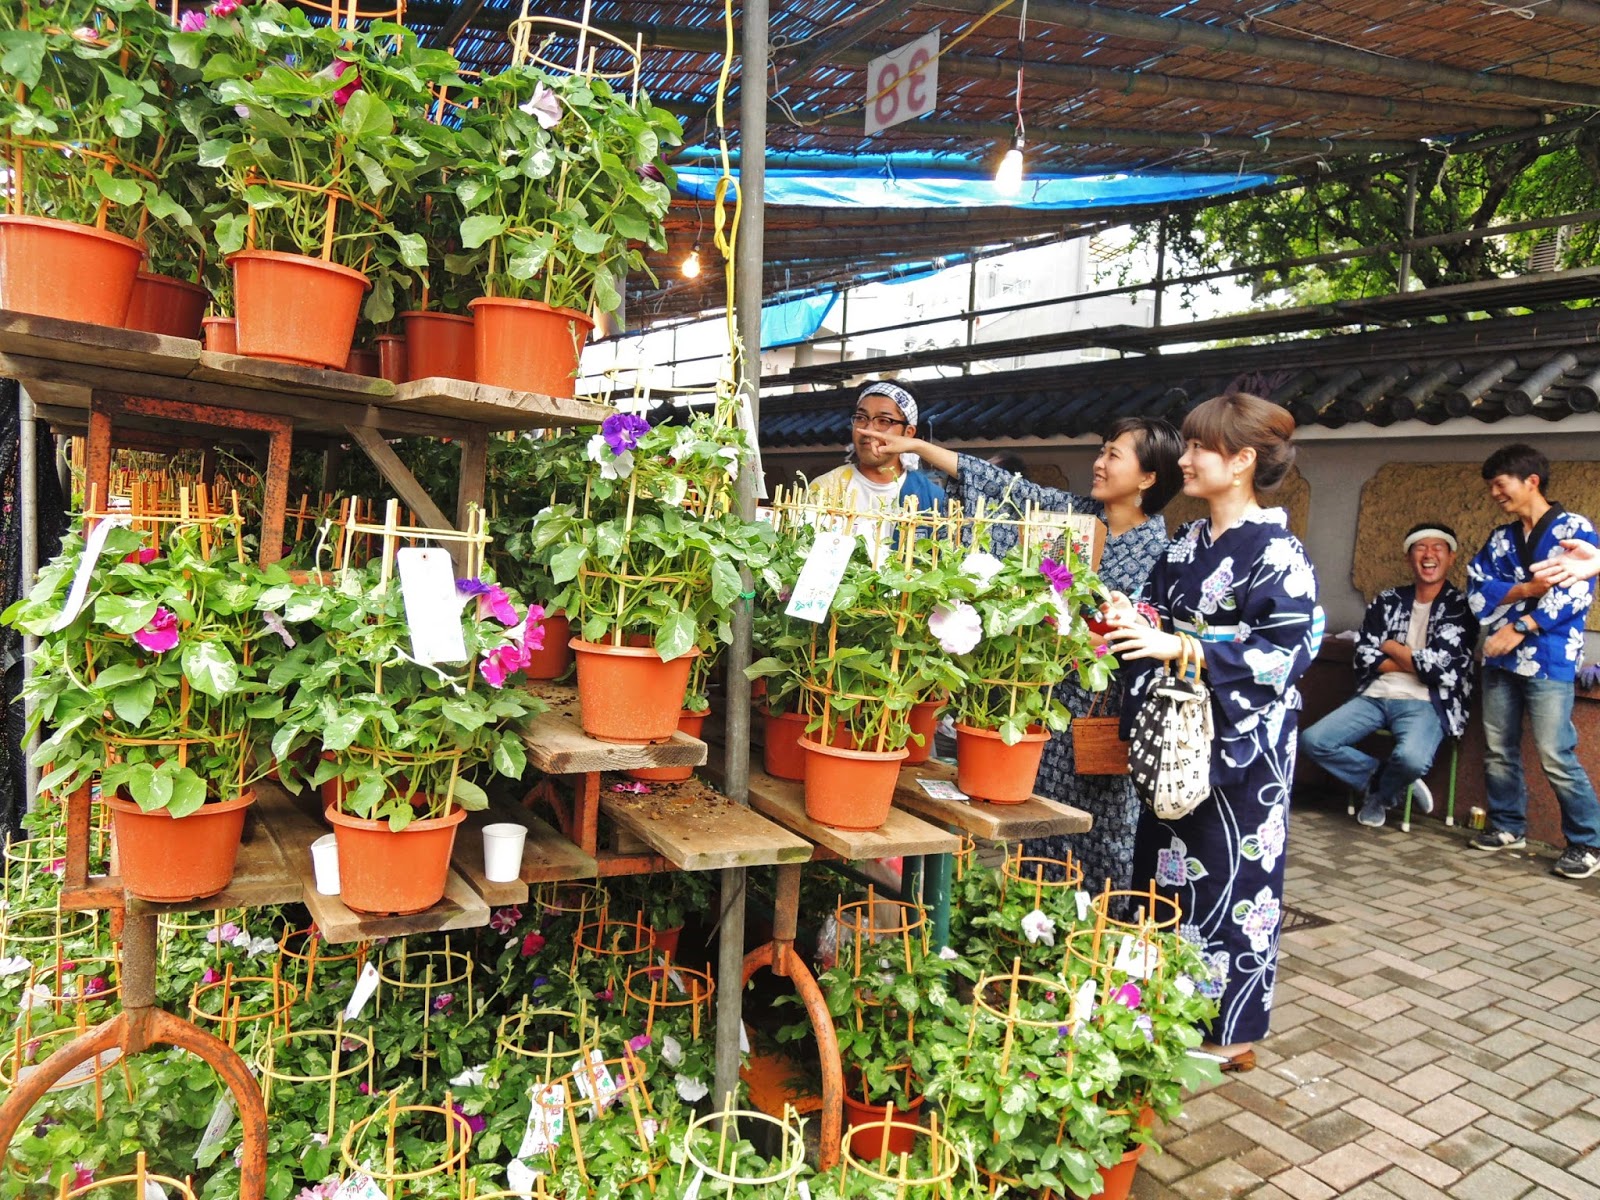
(691, 263)
(1008, 179)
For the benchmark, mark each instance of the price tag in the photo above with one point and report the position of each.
(744, 1039)
(154, 1191)
(692, 1192)
(93, 545)
(803, 1188)
(595, 1082)
(216, 1129)
(1137, 958)
(942, 789)
(358, 1187)
(366, 985)
(546, 1119)
(1082, 899)
(1083, 1002)
(433, 608)
(820, 576)
(520, 1177)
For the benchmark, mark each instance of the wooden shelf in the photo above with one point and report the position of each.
(547, 856)
(697, 829)
(1035, 817)
(784, 801)
(62, 362)
(261, 874)
(557, 744)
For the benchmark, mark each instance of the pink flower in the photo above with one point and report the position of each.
(211, 975)
(161, 634)
(545, 107)
(532, 629)
(149, 554)
(638, 1043)
(364, 1088)
(226, 934)
(224, 8)
(95, 986)
(1128, 994)
(1102, 650)
(608, 994)
(501, 663)
(532, 944)
(192, 21)
(504, 920)
(640, 789)
(340, 68)
(492, 600)
(83, 1176)
(476, 1124)
(443, 1001)
(57, 866)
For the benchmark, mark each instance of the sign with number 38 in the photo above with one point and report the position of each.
(904, 84)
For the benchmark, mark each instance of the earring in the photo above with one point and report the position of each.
(1235, 481)
(1138, 498)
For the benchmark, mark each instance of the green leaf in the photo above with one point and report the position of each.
(366, 116)
(589, 241)
(116, 675)
(124, 614)
(675, 638)
(133, 704)
(477, 230)
(564, 563)
(209, 668)
(341, 731)
(188, 792)
(23, 55)
(470, 796)
(510, 758)
(151, 790)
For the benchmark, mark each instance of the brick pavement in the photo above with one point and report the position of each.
(1441, 1038)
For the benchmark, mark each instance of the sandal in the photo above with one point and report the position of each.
(1245, 1060)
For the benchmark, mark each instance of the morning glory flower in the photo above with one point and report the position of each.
(981, 566)
(691, 1091)
(492, 600)
(622, 431)
(612, 465)
(1059, 574)
(544, 106)
(161, 634)
(1037, 927)
(958, 627)
(671, 1051)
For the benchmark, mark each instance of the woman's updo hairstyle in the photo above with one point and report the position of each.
(1227, 424)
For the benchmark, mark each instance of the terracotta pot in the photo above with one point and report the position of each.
(867, 1144)
(780, 753)
(628, 694)
(924, 720)
(60, 269)
(689, 722)
(439, 346)
(331, 790)
(363, 360)
(1117, 1181)
(295, 309)
(162, 304)
(850, 789)
(988, 769)
(552, 661)
(665, 941)
(171, 860)
(392, 357)
(221, 335)
(528, 345)
(381, 871)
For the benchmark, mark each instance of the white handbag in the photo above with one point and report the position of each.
(1169, 754)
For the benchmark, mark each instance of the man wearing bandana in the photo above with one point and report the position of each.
(1414, 675)
(873, 479)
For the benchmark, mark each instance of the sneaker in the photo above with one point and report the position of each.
(1497, 839)
(1421, 797)
(1577, 862)
(1373, 813)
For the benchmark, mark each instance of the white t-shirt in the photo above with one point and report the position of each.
(1403, 685)
(866, 497)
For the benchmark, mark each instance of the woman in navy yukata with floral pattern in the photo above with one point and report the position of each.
(1240, 583)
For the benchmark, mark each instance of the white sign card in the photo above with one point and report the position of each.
(820, 576)
(359, 1187)
(433, 609)
(1138, 959)
(93, 546)
(366, 985)
(903, 84)
(941, 789)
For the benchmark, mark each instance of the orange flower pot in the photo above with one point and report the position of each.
(221, 335)
(850, 789)
(363, 360)
(171, 860)
(924, 720)
(1117, 1181)
(781, 755)
(552, 661)
(295, 309)
(665, 941)
(381, 871)
(392, 357)
(689, 722)
(627, 694)
(439, 346)
(867, 1144)
(988, 769)
(528, 345)
(59, 269)
(162, 304)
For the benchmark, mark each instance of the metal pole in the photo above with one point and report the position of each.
(28, 498)
(1161, 269)
(750, 256)
(1404, 284)
(972, 312)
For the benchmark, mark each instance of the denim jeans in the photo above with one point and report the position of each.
(1331, 743)
(1548, 704)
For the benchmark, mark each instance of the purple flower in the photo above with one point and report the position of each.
(95, 986)
(492, 600)
(1059, 574)
(504, 920)
(275, 623)
(476, 1124)
(443, 1001)
(639, 1042)
(1128, 994)
(540, 982)
(651, 172)
(192, 22)
(161, 634)
(545, 107)
(622, 431)
(226, 934)
(211, 975)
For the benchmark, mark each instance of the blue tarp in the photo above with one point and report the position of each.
(793, 321)
(916, 186)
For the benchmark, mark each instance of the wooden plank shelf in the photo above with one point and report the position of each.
(61, 362)
(557, 744)
(697, 829)
(261, 875)
(547, 856)
(1038, 816)
(784, 801)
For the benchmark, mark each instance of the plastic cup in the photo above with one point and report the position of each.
(325, 862)
(502, 852)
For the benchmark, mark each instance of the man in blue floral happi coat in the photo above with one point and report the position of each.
(1414, 674)
(1530, 657)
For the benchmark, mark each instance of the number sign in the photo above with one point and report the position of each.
(904, 84)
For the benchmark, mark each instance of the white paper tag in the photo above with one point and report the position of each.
(154, 1191)
(1138, 959)
(433, 608)
(942, 789)
(546, 1119)
(359, 1187)
(692, 1192)
(80, 1074)
(366, 985)
(1083, 1001)
(803, 1188)
(1082, 899)
(820, 576)
(744, 1039)
(520, 1177)
(93, 545)
(595, 1082)
(216, 1128)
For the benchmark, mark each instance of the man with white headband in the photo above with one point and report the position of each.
(1414, 675)
(873, 479)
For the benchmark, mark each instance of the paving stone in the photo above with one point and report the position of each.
(1553, 1152)
(1555, 1099)
(1268, 1191)
(1219, 1180)
(1408, 1187)
(1429, 1082)
(1320, 1096)
(1421, 1164)
(1347, 1166)
(1491, 1182)
(1331, 1130)
(1279, 1141)
(1447, 1114)
(1497, 1102)
(1547, 1176)
(1467, 1148)
(1211, 1108)
(1262, 1162)
(1302, 1186)
(1210, 1144)
(1370, 1090)
(1578, 1130)
(1532, 1069)
(1382, 1117)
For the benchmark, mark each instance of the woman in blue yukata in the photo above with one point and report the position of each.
(1135, 475)
(1239, 582)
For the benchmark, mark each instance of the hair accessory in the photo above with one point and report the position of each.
(1442, 532)
(908, 408)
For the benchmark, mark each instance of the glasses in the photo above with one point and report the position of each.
(881, 424)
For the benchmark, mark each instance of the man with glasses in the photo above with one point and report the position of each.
(872, 479)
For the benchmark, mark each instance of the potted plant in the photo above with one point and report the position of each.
(156, 688)
(440, 338)
(408, 742)
(784, 643)
(82, 85)
(562, 182)
(696, 708)
(317, 133)
(1020, 624)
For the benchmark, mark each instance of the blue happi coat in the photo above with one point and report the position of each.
(1444, 666)
(1557, 649)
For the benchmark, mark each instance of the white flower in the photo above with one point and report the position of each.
(958, 627)
(471, 1077)
(1184, 984)
(671, 1051)
(260, 946)
(981, 566)
(545, 106)
(242, 939)
(15, 965)
(1037, 927)
(612, 466)
(730, 456)
(948, 954)
(691, 1091)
